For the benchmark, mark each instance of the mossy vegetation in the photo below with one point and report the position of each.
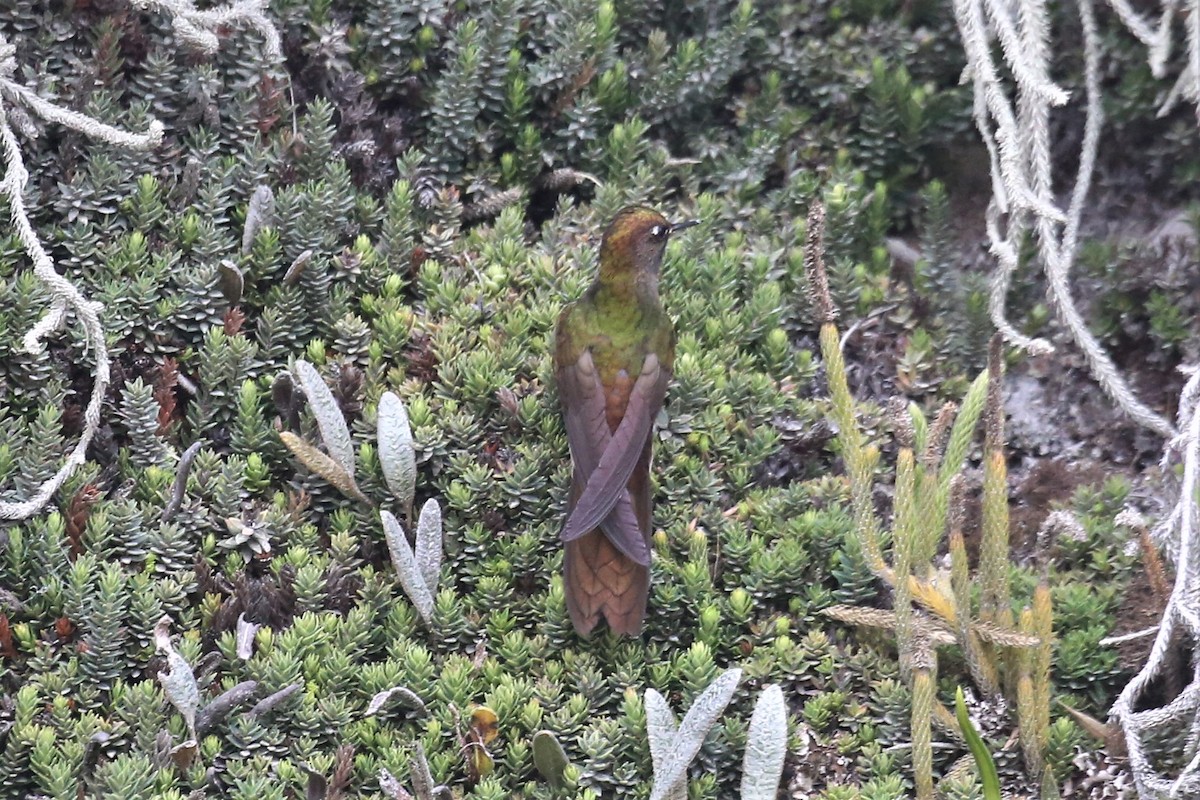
(406, 204)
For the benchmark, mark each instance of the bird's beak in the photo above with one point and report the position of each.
(687, 223)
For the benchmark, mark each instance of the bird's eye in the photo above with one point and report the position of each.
(658, 231)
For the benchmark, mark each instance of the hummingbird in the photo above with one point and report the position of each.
(614, 351)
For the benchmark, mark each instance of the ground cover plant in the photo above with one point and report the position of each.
(313, 551)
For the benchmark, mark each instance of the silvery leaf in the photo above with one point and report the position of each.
(422, 779)
(663, 732)
(330, 420)
(246, 631)
(661, 728)
(396, 454)
(317, 786)
(406, 566)
(271, 701)
(391, 787)
(404, 693)
(766, 746)
(179, 682)
(703, 714)
(230, 281)
(223, 704)
(258, 214)
(429, 544)
(297, 268)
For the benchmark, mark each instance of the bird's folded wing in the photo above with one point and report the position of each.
(589, 436)
(622, 529)
(606, 484)
(586, 419)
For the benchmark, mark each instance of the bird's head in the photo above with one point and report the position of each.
(636, 239)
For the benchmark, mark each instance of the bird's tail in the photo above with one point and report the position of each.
(600, 581)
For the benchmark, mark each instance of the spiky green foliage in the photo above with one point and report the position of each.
(464, 345)
(1004, 660)
(955, 298)
(139, 414)
(438, 191)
